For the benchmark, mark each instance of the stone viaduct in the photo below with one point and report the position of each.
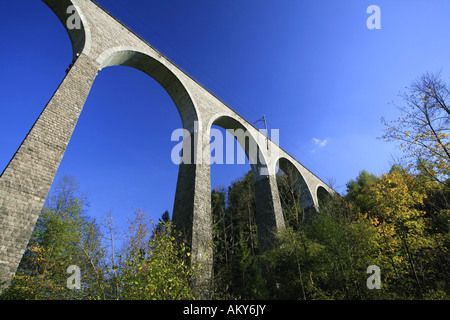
(102, 41)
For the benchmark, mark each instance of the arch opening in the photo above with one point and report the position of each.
(163, 75)
(235, 203)
(267, 210)
(249, 151)
(323, 196)
(118, 144)
(183, 213)
(296, 200)
(232, 149)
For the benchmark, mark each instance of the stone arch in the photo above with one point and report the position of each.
(245, 138)
(79, 37)
(187, 215)
(323, 195)
(126, 56)
(297, 181)
(268, 211)
(134, 58)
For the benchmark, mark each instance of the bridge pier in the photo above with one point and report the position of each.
(25, 182)
(269, 215)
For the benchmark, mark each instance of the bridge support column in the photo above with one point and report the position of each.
(192, 213)
(25, 182)
(269, 215)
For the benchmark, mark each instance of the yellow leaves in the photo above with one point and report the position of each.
(40, 253)
(398, 259)
(397, 217)
(397, 196)
(374, 221)
(36, 249)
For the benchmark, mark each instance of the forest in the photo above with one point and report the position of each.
(397, 221)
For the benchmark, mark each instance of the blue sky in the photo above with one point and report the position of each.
(312, 67)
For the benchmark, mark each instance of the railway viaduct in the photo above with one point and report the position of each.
(100, 41)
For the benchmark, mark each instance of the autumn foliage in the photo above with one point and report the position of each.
(398, 221)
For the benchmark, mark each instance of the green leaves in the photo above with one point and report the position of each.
(325, 258)
(155, 265)
(63, 236)
(398, 221)
(237, 270)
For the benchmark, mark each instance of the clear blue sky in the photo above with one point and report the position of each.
(312, 67)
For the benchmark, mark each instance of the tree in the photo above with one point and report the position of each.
(325, 258)
(358, 189)
(237, 269)
(111, 264)
(422, 129)
(408, 249)
(222, 241)
(63, 236)
(153, 264)
(163, 222)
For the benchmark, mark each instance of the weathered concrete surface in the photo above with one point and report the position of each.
(102, 41)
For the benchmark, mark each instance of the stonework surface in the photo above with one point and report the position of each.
(103, 41)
